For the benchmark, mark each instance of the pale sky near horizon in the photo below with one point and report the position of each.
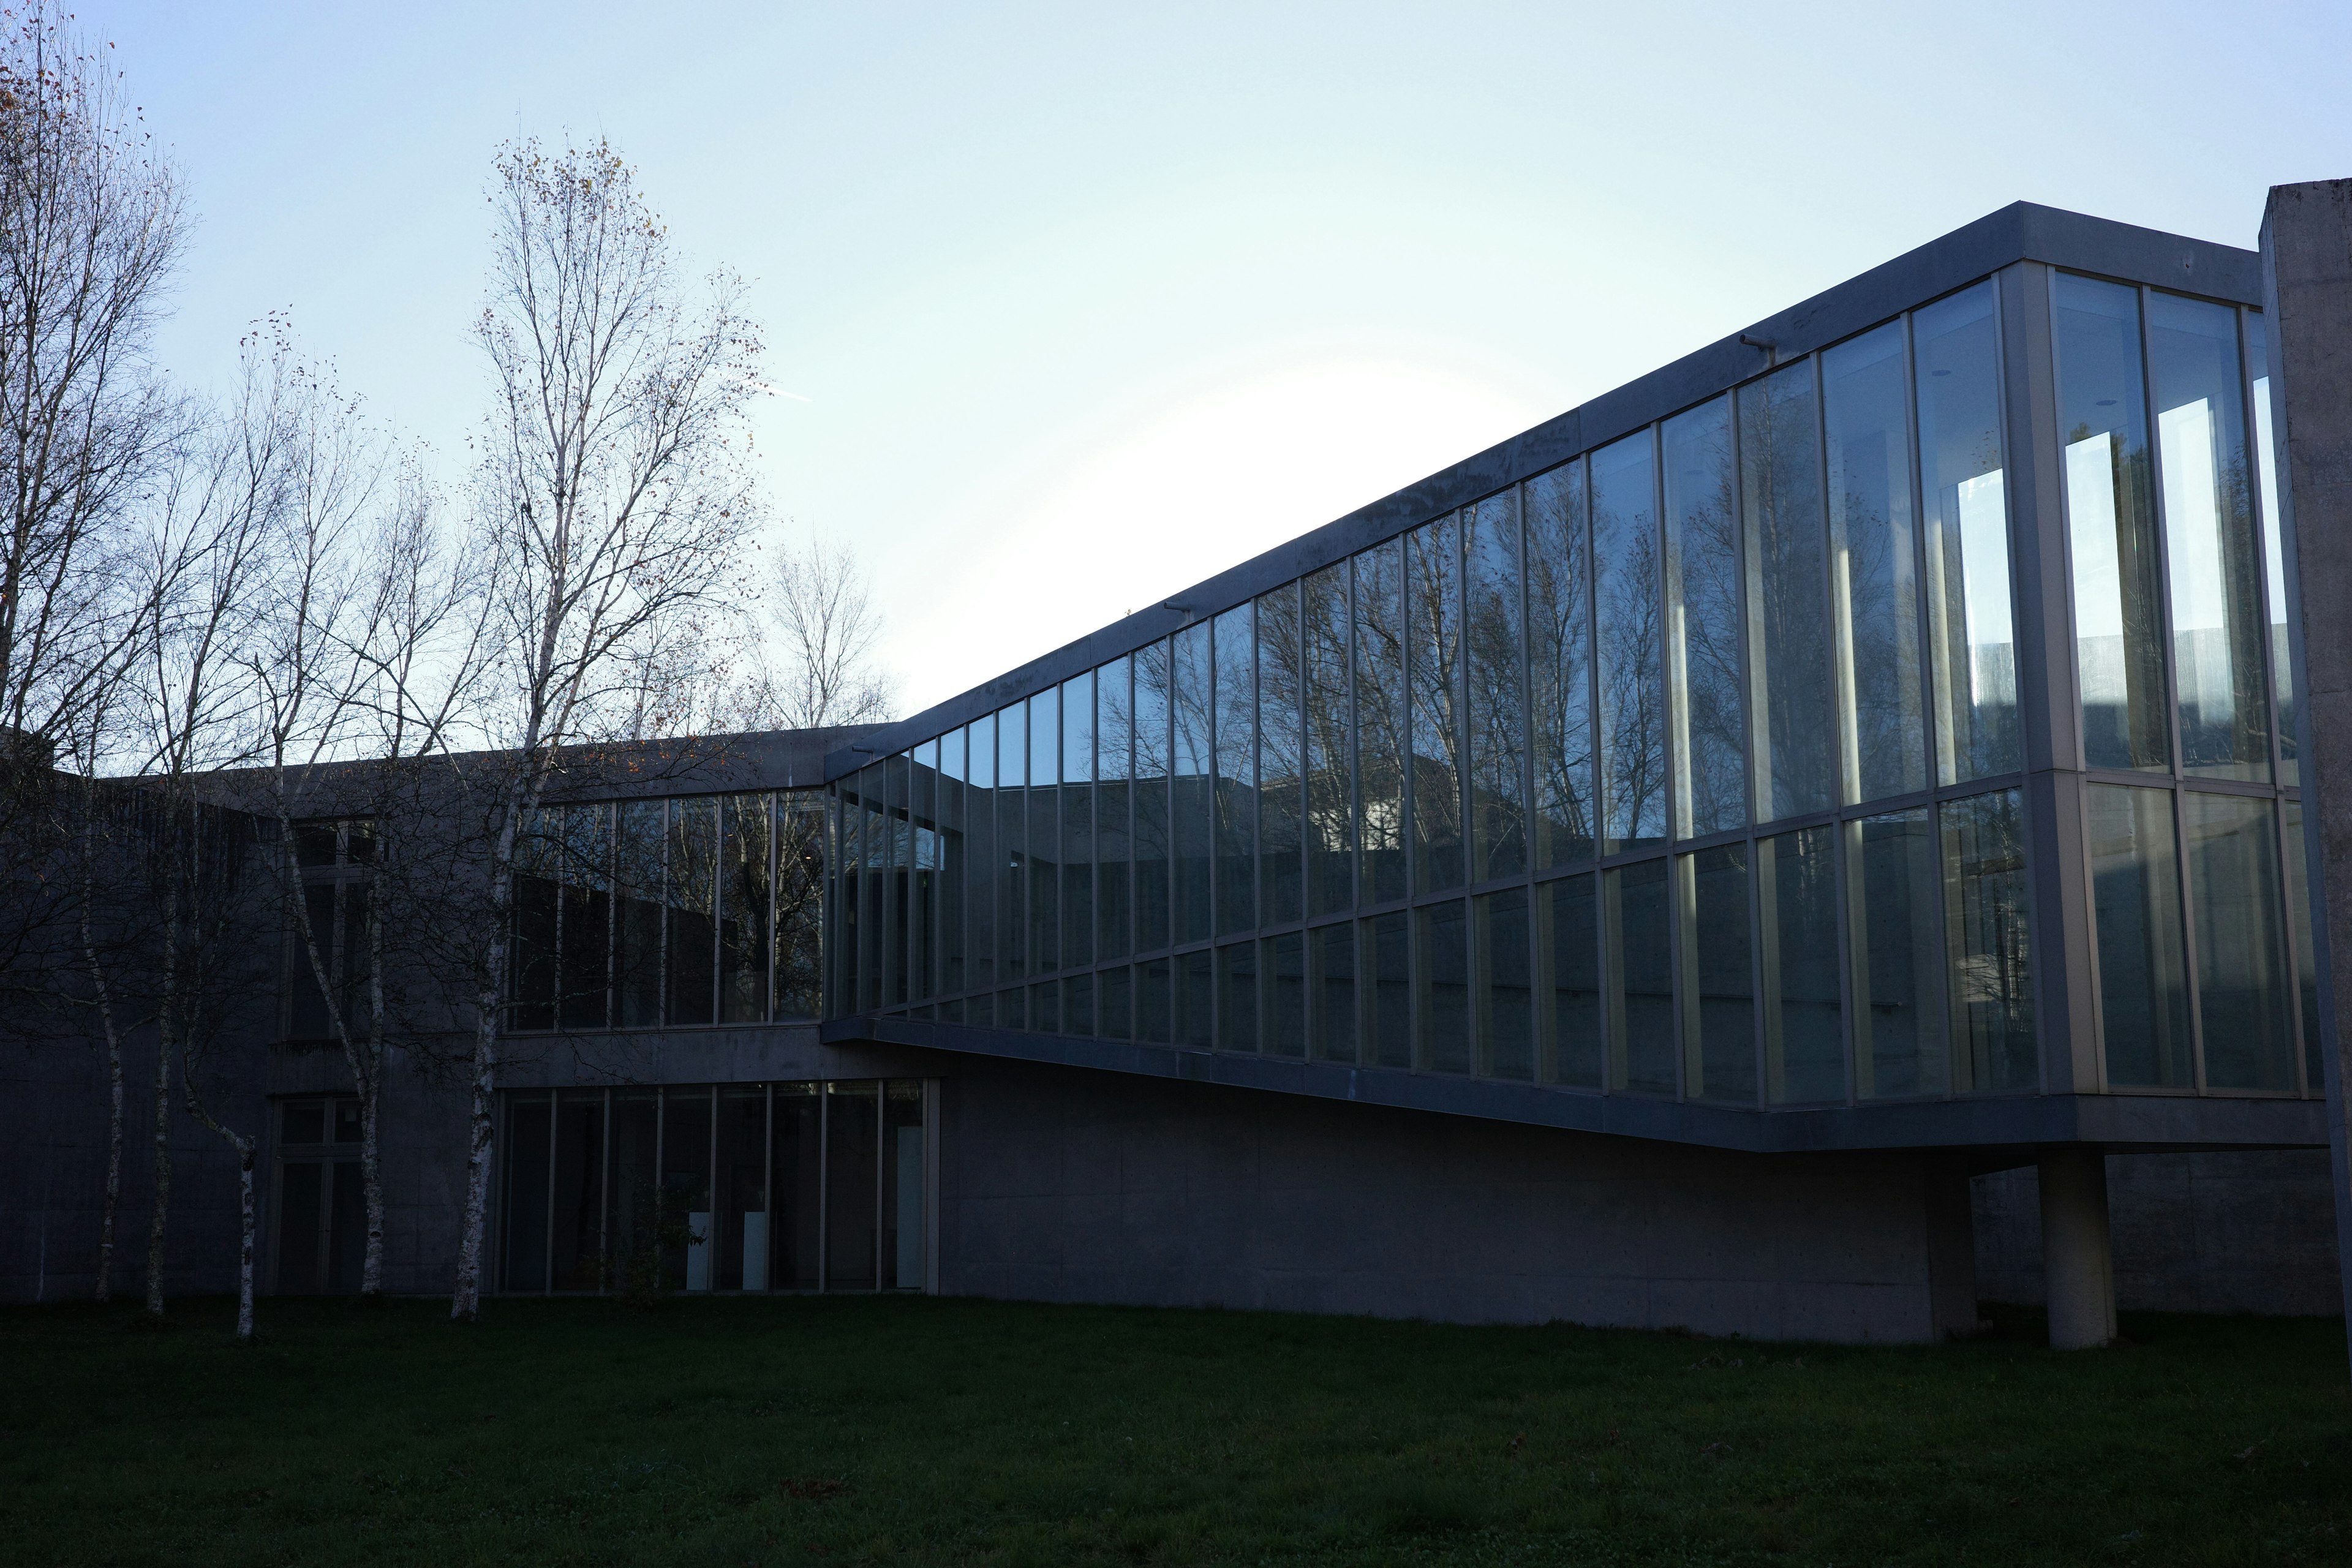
(1078, 304)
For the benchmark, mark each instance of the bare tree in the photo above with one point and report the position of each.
(613, 507)
(820, 668)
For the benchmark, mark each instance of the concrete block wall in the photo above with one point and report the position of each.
(1060, 1184)
(2243, 1232)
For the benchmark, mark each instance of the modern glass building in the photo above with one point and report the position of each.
(1884, 715)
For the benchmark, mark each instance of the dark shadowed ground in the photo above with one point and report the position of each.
(907, 1430)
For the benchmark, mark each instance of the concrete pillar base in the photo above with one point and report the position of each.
(2076, 1260)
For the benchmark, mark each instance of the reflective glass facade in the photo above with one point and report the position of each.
(1692, 766)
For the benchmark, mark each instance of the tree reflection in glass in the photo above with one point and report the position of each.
(1706, 666)
(1492, 584)
(1625, 574)
(1559, 665)
(1874, 565)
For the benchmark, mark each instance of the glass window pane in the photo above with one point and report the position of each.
(632, 1194)
(2274, 560)
(530, 970)
(1804, 1015)
(525, 1180)
(1114, 798)
(1637, 921)
(2218, 618)
(1196, 1001)
(1042, 880)
(795, 1154)
(1115, 1003)
(1045, 1007)
(1079, 1005)
(1874, 572)
(1236, 790)
(741, 1219)
(904, 1188)
(1012, 934)
(1987, 932)
(1559, 665)
(1387, 964)
(1706, 664)
(2306, 972)
(983, 856)
(2110, 525)
(852, 1188)
(1380, 721)
(923, 916)
(1433, 657)
(1568, 985)
(1077, 928)
(693, 888)
(1154, 1007)
(1442, 941)
(638, 924)
(800, 905)
(1237, 996)
(1492, 583)
(1505, 954)
(1331, 776)
(586, 917)
(2241, 951)
(1780, 490)
(1283, 961)
(686, 1188)
(893, 863)
(1971, 629)
(1280, 674)
(743, 909)
(1892, 883)
(1189, 793)
(1331, 979)
(1718, 974)
(2143, 970)
(1626, 586)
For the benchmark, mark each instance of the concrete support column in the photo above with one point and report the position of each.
(2076, 1258)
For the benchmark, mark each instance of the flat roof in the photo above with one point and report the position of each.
(2022, 231)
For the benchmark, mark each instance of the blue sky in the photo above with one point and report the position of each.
(1088, 302)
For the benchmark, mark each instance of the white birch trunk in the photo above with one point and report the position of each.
(163, 1174)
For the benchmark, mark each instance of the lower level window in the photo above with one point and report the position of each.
(321, 1210)
(783, 1186)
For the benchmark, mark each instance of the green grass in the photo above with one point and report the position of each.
(905, 1430)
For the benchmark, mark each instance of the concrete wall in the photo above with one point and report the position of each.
(1066, 1185)
(2251, 1232)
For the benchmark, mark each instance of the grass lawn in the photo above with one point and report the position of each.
(907, 1430)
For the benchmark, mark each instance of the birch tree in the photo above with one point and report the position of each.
(613, 510)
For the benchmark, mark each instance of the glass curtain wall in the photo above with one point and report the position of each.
(699, 1187)
(1414, 809)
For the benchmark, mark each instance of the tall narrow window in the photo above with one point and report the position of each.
(1988, 935)
(1154, 679)
(1972, 656)
(983, 857)
(2218, 619)
(892, 864)
(923, 917)
(1442, 951)
(1434, 656)
(1804, 1013)
(1190, 782)
(1044, 864)
(637, 921)
(2273, 557)
(2143, 968)
(1874, 571)
(955, 861)
(1706, 666)
(1330, 771)
(693, 913)
(1281, 674)
(800, 905)
(1115, 756)
(2111, 525)
(1644, 1042)
(1380, 721)
(531, 981)
(1078, 821)
(2306, 972)
(1505, 951)
(1796, 746)
(587, 918)
(1718, 976)
(1560, 666)
(1012, 957)
(743, 944)
(1331, 981)
(1633, 698)
(1387, 965)
(1237, 997)
(1893, 893)
(1569, 992)
(2242, 949)
(1234, 789)
(1283, 965)
(1492, 623)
